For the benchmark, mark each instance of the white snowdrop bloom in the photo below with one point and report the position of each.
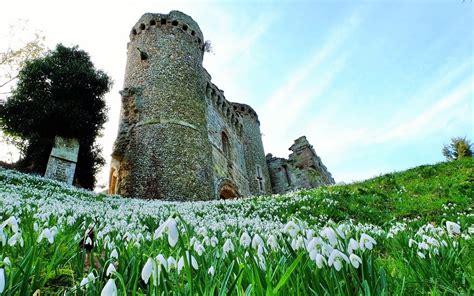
(35, 227)
(453, 228)
(162, 261)
(421, 255)
(84, 282)
(211, 270)
(320, 260)
(48, 234)
(355, 260)
(171, 262)
(312, 254)
(297, 243)
(214, 241)
(423, 246)
(366, 242)
(7, 261)
(245, 240)
(2, 280)
(272, 242)
(309, 234)
(352, 246)
(191, 260)
(228, 246)
(330, 235)
(110, 269)
(147, 270)
(199, 249)
(110, 289)
(91, 277)
(14, 239)
(336, 258)
(257, 241)
(292, 228)
(12, 222)
(3, 237)
(260, 250)
(340, 231)
(170, 226)
(114, 254)
(470, 230)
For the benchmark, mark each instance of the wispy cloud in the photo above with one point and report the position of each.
(301, 88)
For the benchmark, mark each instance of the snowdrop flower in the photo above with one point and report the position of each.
(110, 289)
(423, 246)
(228, 246)
(470, 230)
(272, 242)
(3, 237)
(366, 242)
(48, 234)
(336, 258)
(114, 254)
(421, 255)
(320, 261)
(162, 261)
(90, 278)
(211, 270)
(214, 241)
(110, 269)
(453, 228)
(191, 260)
(169, 226)
(292, 228)
(257, 241)
(330, 234)
(7, 261)
(14, 239)
(171, 262)
(297, 243)
(2, 280)
(147, 269)
(355, 260)
(245, 240)
(12, 222)
(352, 246)
(198, 248)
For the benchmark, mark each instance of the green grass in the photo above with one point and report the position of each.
(405, 212)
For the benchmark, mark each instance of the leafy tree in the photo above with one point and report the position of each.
(458, 148)
(58, 94)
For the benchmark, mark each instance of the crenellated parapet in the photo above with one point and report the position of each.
(174, 20)
(246, 110)
(225, 107)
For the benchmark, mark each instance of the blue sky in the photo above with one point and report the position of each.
(376, 86)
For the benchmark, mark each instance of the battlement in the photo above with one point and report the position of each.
(246, 110)
(224, 106)
(175, 19)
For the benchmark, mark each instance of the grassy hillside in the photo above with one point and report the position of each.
(406, 233)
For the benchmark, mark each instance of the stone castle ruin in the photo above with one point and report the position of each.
(179, 138)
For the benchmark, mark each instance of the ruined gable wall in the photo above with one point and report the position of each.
(303, 169)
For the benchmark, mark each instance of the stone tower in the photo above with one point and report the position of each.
(179, 137)
(162, 147)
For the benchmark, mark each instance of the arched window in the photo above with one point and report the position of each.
(225, 145)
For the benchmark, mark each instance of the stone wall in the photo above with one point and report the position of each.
(303, 169)
(225, 136)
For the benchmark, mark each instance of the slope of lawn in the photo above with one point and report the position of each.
(405, 233)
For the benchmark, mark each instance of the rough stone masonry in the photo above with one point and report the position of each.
(179, 138)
